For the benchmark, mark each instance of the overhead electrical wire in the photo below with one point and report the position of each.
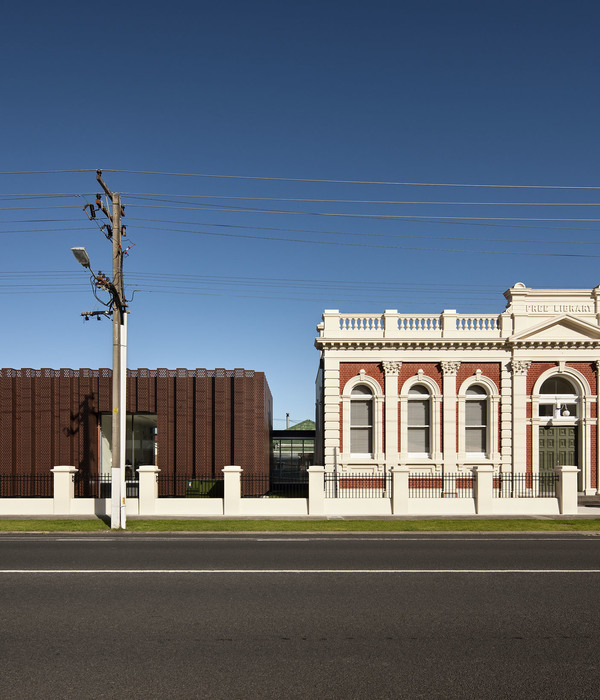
(299, 179)
(372, 245)
(369, 234)
(391, 217)
(140, 195)
(353, 182)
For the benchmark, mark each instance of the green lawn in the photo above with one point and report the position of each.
(491, 525)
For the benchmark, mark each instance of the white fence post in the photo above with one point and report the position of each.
(64, 489)
(400, 490)
(232, 489)
(482, 489)
(316, 490)
(148, 488)
(566, 489)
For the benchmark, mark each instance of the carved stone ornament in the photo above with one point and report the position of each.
(391, 368)
(450, 367)
(520, 367)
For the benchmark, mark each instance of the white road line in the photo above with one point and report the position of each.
(299, 571)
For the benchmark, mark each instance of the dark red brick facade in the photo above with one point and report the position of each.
(206, 419)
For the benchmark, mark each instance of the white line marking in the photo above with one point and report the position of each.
(299, 571)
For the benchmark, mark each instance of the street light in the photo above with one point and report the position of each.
(81, 255)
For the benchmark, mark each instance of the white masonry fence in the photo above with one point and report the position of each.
(398, 493)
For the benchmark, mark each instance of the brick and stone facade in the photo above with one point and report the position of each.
(516, 391)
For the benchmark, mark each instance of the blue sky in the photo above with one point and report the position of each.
(421, 92)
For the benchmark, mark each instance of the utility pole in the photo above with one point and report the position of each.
(119, 378)
(118, 515)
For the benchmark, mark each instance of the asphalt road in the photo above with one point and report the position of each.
(300, 616)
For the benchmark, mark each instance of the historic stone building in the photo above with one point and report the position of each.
(445, 392)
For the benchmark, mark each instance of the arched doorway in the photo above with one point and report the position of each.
(559, 408)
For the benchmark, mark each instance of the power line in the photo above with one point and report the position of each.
(369, 234)
(46, 172)
(356, 182)
(391, 217)
(370, 245)
(136, 195)
(302, 179)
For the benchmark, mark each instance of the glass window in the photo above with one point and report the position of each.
(419, 420)
(476, 419)
(361, 420)
(140, 441)
(558, 399)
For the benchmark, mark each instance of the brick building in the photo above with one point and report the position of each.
(516, 391)
(187, 422)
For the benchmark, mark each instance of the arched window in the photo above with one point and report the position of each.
(558, 399)
(476, 420)
(361, 420)
(419, 421)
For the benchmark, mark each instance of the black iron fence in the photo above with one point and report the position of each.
(19, 486)
(510, 485)
(181, 486)
(440, 486)
(99, 486)
(288, 485)
(358, 485)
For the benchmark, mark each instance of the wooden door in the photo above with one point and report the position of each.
(558, 447)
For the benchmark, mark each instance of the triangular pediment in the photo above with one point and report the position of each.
(561, 328)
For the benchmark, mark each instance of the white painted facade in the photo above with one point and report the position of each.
(446, 392)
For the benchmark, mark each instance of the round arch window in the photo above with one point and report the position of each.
(558, 399)
(361, 420)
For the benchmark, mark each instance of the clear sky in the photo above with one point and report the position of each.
(236, 271)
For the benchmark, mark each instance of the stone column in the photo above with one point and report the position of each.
(482, 489)
(400, 490)
(148, 488)
(519, 418)
(566, 489)
(316, 490)
(232, 491)
(391, 371)
(449, 372)
(64, 489)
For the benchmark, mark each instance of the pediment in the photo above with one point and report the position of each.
(562, 328)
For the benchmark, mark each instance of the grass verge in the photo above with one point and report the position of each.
(491, 525)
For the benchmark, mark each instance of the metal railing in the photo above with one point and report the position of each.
(29, 486)
(524, 485)
(440, 486)
(290, 485)
(181, 486)
(99, 486)
(358, 485)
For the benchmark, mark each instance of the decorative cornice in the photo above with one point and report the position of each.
(453, 344)
(450, 367)
(391, 368)
(520, 367)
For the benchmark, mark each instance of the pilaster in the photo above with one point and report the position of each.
(391, 371)
(449, 372)
(519, 370)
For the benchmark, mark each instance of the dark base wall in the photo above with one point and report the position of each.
(206, 419)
